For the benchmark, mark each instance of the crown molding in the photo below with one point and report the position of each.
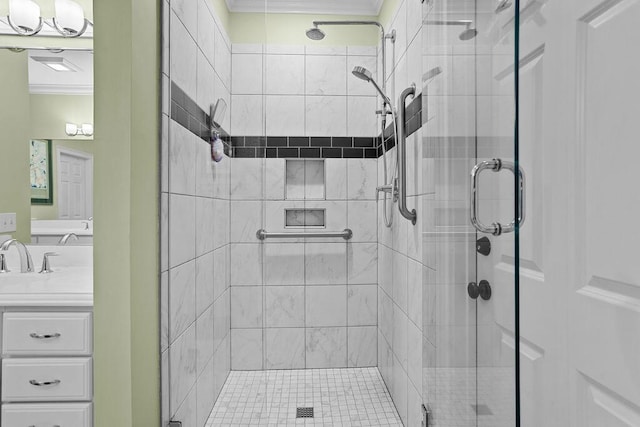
(326, 7)
(56, 89)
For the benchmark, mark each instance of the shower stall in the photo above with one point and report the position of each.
(406, 227)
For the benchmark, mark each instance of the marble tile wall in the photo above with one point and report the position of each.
(303, 303)
(404, 269)
(302, 91)
(195, 274)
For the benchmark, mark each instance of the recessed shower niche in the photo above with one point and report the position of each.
(305, 180)
(304, 217)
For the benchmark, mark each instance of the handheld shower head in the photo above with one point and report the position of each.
(432, 73)
(315, 33)
(364, 74)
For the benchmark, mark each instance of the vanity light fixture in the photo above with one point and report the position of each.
(69, 20)
(85, 129)
(24, 17)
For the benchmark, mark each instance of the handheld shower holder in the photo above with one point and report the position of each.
(388, 189)
(391, 36)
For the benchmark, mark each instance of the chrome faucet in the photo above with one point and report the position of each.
(26, 263)
(64, 239)
(87, 222)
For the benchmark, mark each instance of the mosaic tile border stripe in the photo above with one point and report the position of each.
(312, 147)
(306, 147)
(186, 112)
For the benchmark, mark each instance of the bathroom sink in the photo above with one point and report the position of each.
(70, 283)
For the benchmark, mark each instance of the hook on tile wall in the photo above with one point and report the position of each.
(216, 114)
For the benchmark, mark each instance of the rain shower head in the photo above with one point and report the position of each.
(364, 74)
(315, 33)
(467, 34)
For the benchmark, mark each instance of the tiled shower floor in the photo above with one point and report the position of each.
(340, 397)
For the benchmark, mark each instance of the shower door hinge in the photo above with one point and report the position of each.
(425, 416)
(175, 424)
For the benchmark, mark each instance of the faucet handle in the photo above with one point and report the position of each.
(46, 266)
(3, 264)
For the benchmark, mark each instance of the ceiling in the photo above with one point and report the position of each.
(330, 7)
(43, 79)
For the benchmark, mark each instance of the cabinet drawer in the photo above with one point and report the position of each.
(52, 379)
(46, 414)
(51, 334)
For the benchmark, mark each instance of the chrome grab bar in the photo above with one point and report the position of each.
(346, 234)
(401, 152)
(496, 165)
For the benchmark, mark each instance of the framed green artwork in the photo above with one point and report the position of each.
(40, 171)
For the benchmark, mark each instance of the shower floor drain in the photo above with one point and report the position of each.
(304, 412)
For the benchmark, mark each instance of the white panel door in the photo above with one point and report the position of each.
(73, 183)
(579, 262)
(603, 235)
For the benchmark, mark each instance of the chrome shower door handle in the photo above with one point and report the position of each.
(496, 165)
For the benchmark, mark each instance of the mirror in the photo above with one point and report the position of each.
(47, 130)
(61, 118)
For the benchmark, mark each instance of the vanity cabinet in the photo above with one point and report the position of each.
(47, 375)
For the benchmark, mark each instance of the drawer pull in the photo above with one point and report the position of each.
(56, 425)
(44, 336)
(44, 383)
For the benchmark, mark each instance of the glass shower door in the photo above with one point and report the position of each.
(497, 399)
(469, 357)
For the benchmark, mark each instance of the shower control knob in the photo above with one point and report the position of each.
(485, 290)
(473, 290)
(483, 246)
(482, 290)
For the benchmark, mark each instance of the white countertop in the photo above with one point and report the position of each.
(70, 284)
(61, 227)
(58, 232)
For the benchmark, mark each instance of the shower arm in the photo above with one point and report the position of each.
(383, 38)
(465, 22)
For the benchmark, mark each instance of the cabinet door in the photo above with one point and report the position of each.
(50, 334)
(52, 379)
(57, 414)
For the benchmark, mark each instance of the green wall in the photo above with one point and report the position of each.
(50, 113)
(47, 8)
(222, 12)
(126, 192)
(279, 28)
(14, 141)
(387, 11)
